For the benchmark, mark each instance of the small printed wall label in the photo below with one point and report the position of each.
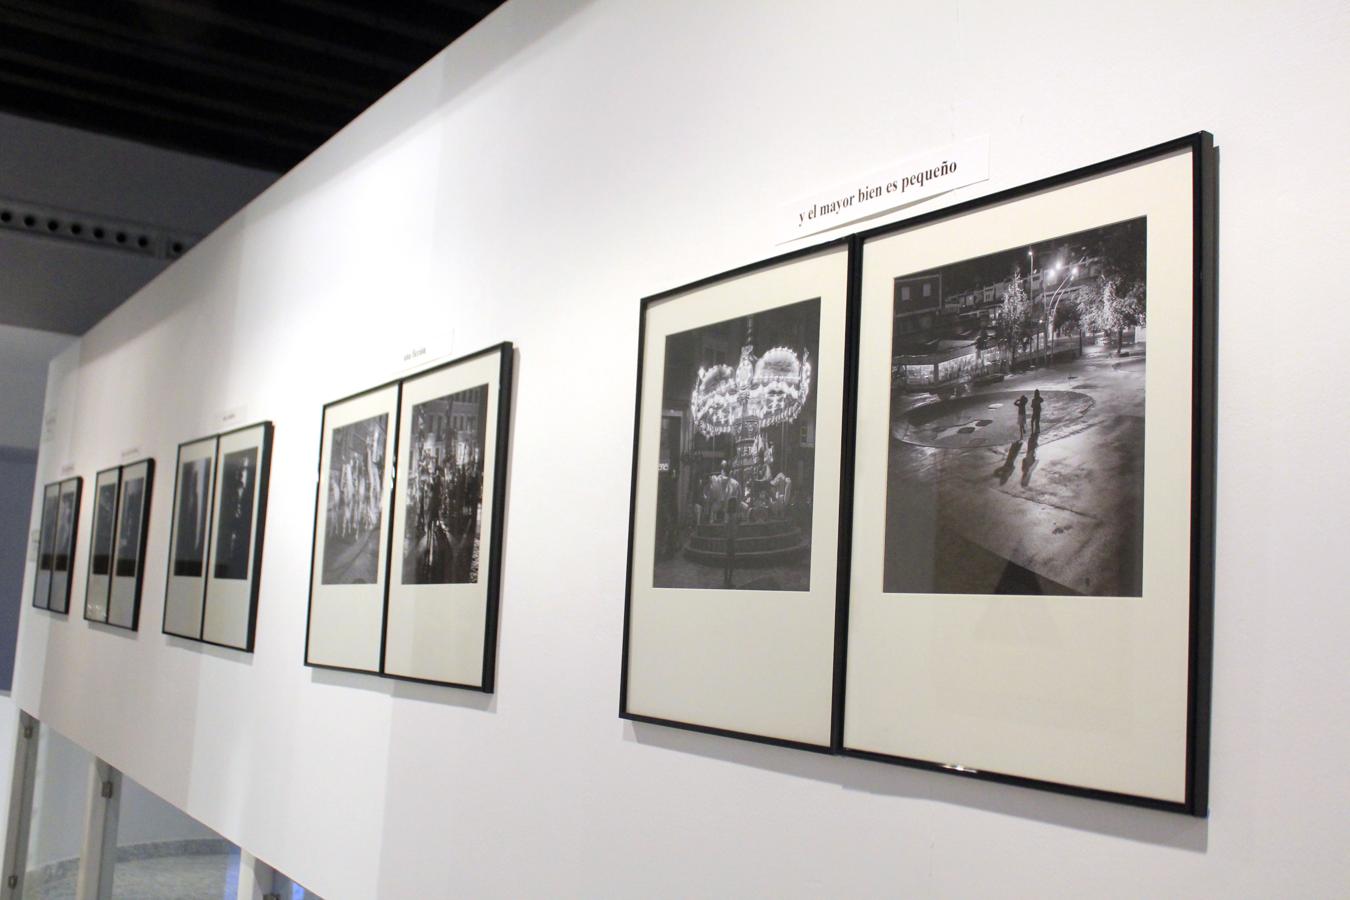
(68, 469)
(130, 452)
(233, 416)
(433, 345)
(901, 183)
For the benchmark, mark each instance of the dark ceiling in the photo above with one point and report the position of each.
(261, 83)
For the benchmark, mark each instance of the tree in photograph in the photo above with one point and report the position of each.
(1104, 308)
(1013, 316)
(1069, 315)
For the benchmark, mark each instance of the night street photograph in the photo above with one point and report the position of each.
(1016, 461)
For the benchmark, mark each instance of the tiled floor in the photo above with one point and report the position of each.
(204, 877)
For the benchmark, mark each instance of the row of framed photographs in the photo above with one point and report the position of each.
(220, 491)
(940, 493)
(405, 573)
(408, 517)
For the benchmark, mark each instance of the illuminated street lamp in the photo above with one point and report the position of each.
(1052, 304)
(1031, 291)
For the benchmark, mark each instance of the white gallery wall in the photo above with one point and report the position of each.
(533, 182)
(61, 793)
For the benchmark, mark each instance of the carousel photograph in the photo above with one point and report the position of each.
(737, 453)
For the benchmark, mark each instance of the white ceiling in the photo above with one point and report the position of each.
(61, 285)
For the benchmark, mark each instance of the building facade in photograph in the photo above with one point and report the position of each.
(946, 334)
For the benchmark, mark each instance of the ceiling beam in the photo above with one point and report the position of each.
(256, 82)
(255, 26)
(385, 18)
(98, 83)
(261, 148)
(73, 25)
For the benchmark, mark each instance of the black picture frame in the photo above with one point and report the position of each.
(384, 542)
(42, 576)
(47, 594)
(94, 523)
(259, 530)
(208, 493)
(137, 575)
(505, 351)
(67, 548)
(258, 521)
(1200, 490)
(829, 744)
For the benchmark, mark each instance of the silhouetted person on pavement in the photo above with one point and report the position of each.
(1004, 472)
(1029, 461)
(1036, 402)
(1021, 404)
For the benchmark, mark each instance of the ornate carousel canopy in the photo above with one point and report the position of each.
(769, 390)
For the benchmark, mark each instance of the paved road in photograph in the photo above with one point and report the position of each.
(351, 560)
(980, 504)
(681, 572)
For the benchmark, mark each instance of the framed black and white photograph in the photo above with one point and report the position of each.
(443, 503)
(42, 582)
(733, 510)
(64, 531)
(448, 515)
(1036, 355)
(1031, 562)
(189, 537)
(128, 557)
(734, 533)
(351, 531)
(121, 522)
(235, 540)
(98, 582)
